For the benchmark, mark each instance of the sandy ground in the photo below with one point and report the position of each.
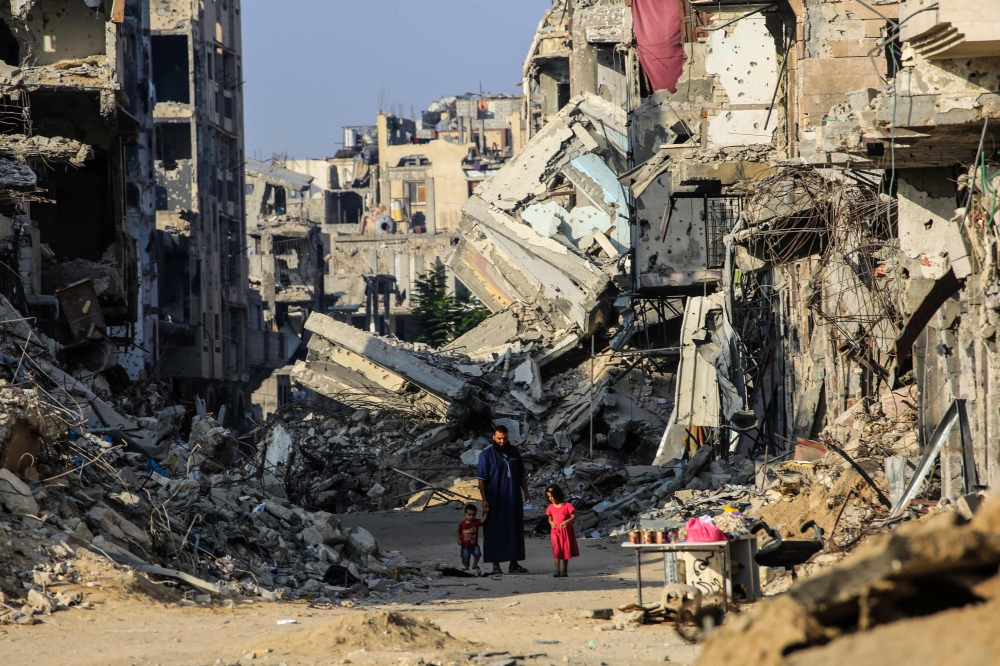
(533, 615)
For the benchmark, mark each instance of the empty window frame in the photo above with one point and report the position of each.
(416, 192)
(173, 141)
(170, 68)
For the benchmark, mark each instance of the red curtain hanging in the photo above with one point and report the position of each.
(658, 41)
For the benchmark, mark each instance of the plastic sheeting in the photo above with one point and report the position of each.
(658, 41)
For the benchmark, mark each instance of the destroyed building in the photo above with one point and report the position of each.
(390, 202)
(755, 247)
(77, 223)
(287, 265)
(203, 294)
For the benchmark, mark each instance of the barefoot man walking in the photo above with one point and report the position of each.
(502, 479)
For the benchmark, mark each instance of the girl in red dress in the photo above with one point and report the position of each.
(561, 518)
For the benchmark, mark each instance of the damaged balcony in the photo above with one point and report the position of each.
(928, 106)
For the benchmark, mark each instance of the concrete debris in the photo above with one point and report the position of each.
(869, 602)
(521, 245)
(15, 495)
(343, 359)
(16, 176)
(128, 494)
(55, 149)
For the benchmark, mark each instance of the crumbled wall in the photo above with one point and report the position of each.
(63, 30)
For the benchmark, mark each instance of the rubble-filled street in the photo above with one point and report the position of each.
(681, 348)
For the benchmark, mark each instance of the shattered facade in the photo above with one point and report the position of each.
(75, 83)
(287, 265)
(203, 306)
(795, 227)
(399, 187)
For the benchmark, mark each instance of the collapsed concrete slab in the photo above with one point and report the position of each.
(491, 336)
(697, 402)
(526, 238)
(345, 362)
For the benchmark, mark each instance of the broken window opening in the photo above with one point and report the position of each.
(170, 68)
(611, 83)
(719, 214)
(77, 219)
(227, 106)
(416, 192)
(133, 198)
(161, 198)
(350, 207)
(173, 142)
(10, 50)
(280, 205)
(414, 160)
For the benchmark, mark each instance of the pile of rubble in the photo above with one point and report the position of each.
(401, 406)
(168, 495)
(926, 593)
(420, 429)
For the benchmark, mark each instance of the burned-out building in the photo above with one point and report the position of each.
(75, 81)
(204, 316)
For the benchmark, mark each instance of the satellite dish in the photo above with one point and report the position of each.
(385, 225)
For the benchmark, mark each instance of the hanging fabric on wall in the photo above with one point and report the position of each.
(659, 43)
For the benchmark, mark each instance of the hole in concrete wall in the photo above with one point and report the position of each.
(174, 284)
(170, 68)
(133, 198)
(10, 50)
(81, 222)
(350, 207)
(279, 201)
(76, 115)
(173, 142)
(553, 83)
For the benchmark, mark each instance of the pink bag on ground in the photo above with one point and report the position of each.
(700, 531)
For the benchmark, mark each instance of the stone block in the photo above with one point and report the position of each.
(16, 495)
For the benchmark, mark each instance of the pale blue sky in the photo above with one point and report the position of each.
(312, 66)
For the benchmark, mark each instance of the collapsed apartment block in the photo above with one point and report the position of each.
(77, 223)
(203, 297)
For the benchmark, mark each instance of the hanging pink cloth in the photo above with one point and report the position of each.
(659, 41)
(703, 531)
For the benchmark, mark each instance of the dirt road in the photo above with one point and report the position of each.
(532, 615)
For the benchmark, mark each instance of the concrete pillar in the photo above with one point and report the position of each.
(430, 208)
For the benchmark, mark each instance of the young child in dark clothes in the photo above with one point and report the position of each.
(561, 518)
(468, 538)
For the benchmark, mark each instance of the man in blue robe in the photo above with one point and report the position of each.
(502, 479)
